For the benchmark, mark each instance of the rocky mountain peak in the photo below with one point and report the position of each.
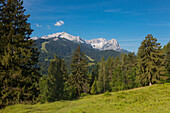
(100, 43)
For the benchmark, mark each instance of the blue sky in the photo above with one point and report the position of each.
(127, 21)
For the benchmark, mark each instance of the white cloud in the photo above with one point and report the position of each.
(59, 23)
(37, 25)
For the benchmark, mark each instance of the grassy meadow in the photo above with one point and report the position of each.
(150, 99)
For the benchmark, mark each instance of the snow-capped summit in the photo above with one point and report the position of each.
(100, 43)
(64, 35)
(97, 43)
(34, 38)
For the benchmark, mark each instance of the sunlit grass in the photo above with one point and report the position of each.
(43, 49)
(92, 60)
(153, 99)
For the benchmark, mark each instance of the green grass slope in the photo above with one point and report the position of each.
(43, 49)
(153, 99)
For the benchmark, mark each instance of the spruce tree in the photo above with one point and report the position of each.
(93, 75)
(109, 72)
(151, 68)
(103, 83)
(94, 87)
(166, 51)
(131, 70)
(18, 75)
(124, 67)
(56, 79)
(79, 77)
(43, 89)
(101, 78)
(117, 81)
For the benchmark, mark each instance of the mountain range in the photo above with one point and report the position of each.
(63, 45)
(100, 43)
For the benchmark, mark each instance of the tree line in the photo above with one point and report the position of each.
(149, 66)
(21, 82)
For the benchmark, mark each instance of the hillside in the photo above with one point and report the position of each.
(153, 99)
(64, 49)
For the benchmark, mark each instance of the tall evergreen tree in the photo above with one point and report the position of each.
(109, 71)
(79, 77)
(94, 74)
(166, 51)
(151, 61)
(94, 87)
(103, 83)
(117, 79)
(18, 55)
(55, 80)
(131, 70)
(43, 89)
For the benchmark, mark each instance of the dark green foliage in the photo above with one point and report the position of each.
(79, 77)
(43, 89)
(166, 51)
(103, 83)
(18, 55)
(94, 74)
(117, 74)
(129, 70)
(118, 79)
(94, 87)
(151, 61)
(56, 78)
(109, 67)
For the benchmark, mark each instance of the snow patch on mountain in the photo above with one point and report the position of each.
(34, 38)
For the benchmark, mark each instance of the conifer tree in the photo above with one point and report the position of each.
(94, 87)
(166, 51)
(79, 77)
(94, 74)
(124, 68)
(131, 70)
(109, 71)
(151, 68)
(55, 80)
(103, 83)
(18, 55)
(101, 78)
(43, 89)
(117, 62)
(117, 81)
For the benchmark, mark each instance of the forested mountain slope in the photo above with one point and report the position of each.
(64, 49)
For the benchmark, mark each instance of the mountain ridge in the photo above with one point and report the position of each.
(100, 43)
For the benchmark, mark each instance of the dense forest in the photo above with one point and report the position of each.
(22, 82)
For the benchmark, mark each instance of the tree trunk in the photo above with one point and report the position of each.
(150, 84)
